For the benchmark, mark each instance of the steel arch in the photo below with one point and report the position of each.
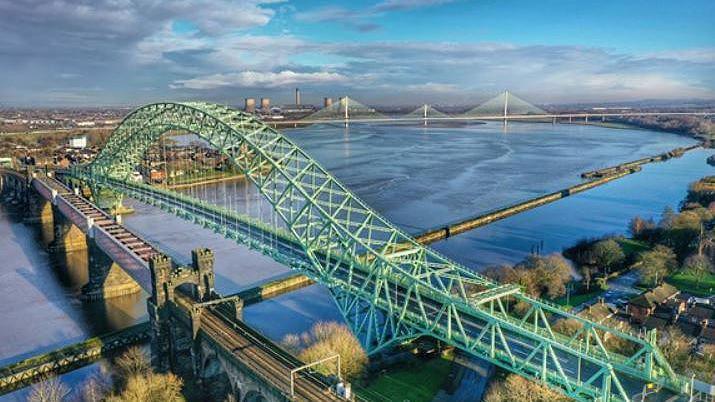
(387, 286)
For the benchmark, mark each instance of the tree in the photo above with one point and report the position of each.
(151, 388)
(326, 339)
(133, 362)
(517, 388)
(656, 264)
(98, 385)
(587, 272)
(50, 390)
(666, 220)
(608, 255)
(139, 383)
(640, 228)
(567, 326)
(548, 274)
(536, 274)
(698, 266)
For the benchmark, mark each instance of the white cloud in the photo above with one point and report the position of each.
(259, 79)
(690, 55)
(433, 87)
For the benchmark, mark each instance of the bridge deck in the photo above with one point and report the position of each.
(126, 248)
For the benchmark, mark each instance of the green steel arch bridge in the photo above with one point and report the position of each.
(388, 287)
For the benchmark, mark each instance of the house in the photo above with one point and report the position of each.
(78, 142)
(643, 305)
(654, 322)
(689, 326)
(707, 336)
(156, 176)
(6, 162)
(702, 312)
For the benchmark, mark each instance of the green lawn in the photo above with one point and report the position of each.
(415, 384)
(631, 246)
(576, 299)
(687, 283)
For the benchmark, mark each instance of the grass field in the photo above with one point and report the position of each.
(414, 384)
(687, 283)
(576, 299)
(631, 246)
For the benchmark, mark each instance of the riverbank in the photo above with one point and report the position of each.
(219, 178)
(595, 178)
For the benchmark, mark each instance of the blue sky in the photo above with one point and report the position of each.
(109, 52)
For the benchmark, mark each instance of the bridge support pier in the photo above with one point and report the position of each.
(68, 237)
(106, 278)
(39, 210)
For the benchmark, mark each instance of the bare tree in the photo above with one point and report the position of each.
(50, 390)
(517, 388)
(133, 362)
(326, 339)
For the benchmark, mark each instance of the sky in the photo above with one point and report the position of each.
(130, 52)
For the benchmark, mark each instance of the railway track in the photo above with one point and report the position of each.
(131, 241)
(262, 359)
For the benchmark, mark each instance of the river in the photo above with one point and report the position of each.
(418, 177)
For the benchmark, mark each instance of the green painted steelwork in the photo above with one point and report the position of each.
(388, 287)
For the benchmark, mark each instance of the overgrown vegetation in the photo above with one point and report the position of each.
(540, 276)
(517, 388)
(689, 125)
(677, 248)
(133, 380)
(326, 339)
(678, 350)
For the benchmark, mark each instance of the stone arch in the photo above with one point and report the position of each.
(237, 392)
(254, 396)
(216, 384)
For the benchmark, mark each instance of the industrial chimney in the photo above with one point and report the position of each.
(250, 105)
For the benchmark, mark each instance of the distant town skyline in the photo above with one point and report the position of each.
(128, 52)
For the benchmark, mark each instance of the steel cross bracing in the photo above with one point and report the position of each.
(388, 287)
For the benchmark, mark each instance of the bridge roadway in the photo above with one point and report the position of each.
(249, 347)
(514, 346)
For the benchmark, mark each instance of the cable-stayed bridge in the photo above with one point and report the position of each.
(503, 107)
(388, 287)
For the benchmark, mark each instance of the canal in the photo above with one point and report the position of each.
(418, 177)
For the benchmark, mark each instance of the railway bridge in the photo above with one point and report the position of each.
(195, 332)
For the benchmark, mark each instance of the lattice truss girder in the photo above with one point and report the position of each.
(387, 286)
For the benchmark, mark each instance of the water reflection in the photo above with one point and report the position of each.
(39, 305)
